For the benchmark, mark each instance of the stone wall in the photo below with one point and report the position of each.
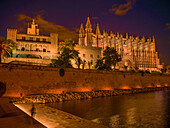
(47, 80)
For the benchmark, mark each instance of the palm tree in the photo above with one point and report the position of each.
(6, 47)
(67, 53)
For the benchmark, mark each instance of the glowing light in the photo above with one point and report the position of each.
(86, 89)
(28, 113)
(166, 85)
(55, 91)
(125, 87)
(107, 89)
(158, 85)
(138, 86)
(149, 86)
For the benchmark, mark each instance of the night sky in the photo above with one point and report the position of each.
(137, 17)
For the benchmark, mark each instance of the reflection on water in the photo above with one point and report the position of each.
(145, 110)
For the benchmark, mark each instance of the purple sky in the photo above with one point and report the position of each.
(137, 17)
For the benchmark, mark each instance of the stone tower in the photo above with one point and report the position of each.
(34, 29)
(81, 35)
(88, 33)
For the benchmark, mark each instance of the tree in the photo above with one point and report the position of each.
(6, 47)
(99, 64)
(67, 53)
(78, 62)
(110, 58)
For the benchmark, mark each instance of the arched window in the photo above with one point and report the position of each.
(31, 48)
(37, 49)
(22, 49)
(44, 50)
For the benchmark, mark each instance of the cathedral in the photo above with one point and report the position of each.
(135, 52)
(37, 49)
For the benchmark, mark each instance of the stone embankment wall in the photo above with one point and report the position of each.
(52, 98)
(48, 80)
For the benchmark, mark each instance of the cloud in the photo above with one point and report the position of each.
(46, 26)
(167, 26)
(122, 9)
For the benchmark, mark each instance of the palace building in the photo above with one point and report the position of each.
(135, 52)
(32, 47)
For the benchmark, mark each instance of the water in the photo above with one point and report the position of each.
(144, 110)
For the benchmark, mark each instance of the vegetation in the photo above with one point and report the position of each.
(67, 53)
(110, 58)
(6, 47)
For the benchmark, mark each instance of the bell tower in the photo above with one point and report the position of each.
(88, 33)
(34, 29)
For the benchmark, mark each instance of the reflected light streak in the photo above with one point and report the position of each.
(28, 113)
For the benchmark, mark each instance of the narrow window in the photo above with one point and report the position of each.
(84, 55)
(37, 49)
(91, 55)
(37, 39)
(23, 38)
(44, 40)
(31, 38)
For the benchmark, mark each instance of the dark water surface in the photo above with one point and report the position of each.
(144, 110)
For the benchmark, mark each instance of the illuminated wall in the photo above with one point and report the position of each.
(40, 80)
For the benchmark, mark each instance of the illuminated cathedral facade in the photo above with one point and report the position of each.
(135, 52)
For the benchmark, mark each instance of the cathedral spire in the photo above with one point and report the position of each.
(97, 30)
(117, 34)
(81, 29)
(143, 38)
(88, 25)
(111, 34)
(126, 35)
(153, 38)
(104, 33)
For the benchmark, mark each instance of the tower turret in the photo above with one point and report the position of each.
(34, 29)
(81, 35)
(88, 26)
(97, 30)
(118, 34)
(143, 39)
(126, 35)
(111, 34)
(81, 28)
(153, 39)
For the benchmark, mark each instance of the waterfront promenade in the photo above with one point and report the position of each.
(15, 118)
(52, 118)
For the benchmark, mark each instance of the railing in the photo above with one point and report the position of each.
(48, 42)
(30, 60)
